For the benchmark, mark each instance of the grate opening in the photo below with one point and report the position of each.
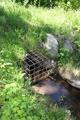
(37, 66)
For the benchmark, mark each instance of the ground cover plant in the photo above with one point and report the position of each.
(20, 30)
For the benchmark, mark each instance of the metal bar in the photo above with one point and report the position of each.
(37, 52)
(37, 65)
(41, 76)
(29, 61)
(41, 70)
(41, 55)
(41, 65)
(35, 59)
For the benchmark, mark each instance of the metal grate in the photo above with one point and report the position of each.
(37, 66)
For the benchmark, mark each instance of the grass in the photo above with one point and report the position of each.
(20, 30)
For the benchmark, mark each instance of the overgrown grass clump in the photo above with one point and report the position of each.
(20, 30)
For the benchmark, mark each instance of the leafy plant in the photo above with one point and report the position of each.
(64, 56)
(20, 30)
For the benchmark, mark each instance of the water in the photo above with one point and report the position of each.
(61, 93)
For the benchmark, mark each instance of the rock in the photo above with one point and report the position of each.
(71, 75)
(51, 45)
(74, 83)
(68, 45)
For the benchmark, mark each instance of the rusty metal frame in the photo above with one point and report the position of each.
(36, 66)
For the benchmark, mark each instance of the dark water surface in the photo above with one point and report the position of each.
(61, 93)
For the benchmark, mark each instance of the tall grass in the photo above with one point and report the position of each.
(20, 30)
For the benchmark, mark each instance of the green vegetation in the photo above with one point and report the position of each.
(20, 30)
(75, 4)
